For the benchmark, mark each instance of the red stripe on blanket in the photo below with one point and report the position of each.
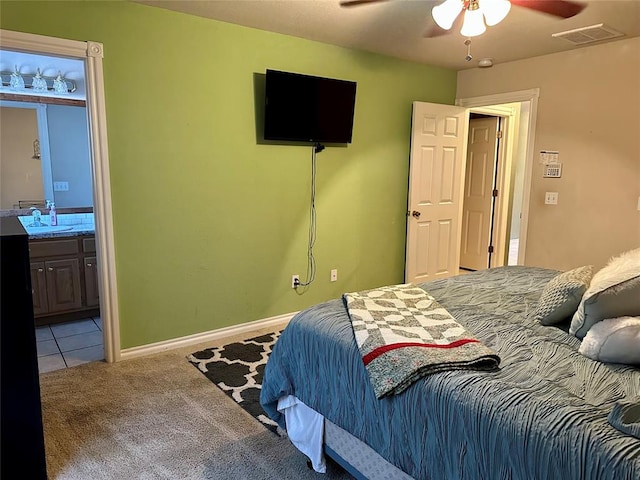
(372, 355)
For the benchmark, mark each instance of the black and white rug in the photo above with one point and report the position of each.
(237, 369)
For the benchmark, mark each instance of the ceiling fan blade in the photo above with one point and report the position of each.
(353, 3)
(558, 8)
(434, 30)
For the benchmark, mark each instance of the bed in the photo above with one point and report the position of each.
(542, 415)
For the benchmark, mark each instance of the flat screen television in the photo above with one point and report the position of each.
(304, 108)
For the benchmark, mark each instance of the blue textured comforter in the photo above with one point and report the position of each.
(543, 415)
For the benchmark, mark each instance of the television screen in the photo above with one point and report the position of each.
(308, 109)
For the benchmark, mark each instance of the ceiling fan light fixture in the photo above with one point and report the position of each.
(473, 24)
(495, 11)
(446, 13)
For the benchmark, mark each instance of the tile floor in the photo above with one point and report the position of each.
(64, 345)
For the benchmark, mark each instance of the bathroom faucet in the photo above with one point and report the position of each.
(36, 218)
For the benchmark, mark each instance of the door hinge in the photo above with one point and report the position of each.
(498, 134)
(495, 192)
(490, 249)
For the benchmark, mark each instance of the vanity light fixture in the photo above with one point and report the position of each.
(16, 81)
(37, 83)
(59, 85)
(477, 13)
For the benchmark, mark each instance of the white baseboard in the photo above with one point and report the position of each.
(134, 352)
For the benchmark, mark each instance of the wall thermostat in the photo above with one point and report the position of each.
(553, 170)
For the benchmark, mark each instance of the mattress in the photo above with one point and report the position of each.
(542, 415)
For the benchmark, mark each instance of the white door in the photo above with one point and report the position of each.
(438, 142)
(477, 206)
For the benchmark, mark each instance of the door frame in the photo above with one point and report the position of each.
(497, 105)
(91, 53)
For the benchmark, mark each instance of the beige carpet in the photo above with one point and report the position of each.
(157, 417)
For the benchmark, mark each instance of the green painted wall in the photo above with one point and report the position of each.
(209, 224)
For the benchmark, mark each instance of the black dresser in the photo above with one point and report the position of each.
(22, 438)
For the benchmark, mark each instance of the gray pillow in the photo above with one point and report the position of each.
(561, 296)
(614, 292)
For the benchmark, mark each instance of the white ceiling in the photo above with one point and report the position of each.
(396, 27)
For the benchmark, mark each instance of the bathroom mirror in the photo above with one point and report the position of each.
(44, 155)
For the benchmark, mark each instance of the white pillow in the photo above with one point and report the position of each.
(614, 292)
(615, 340)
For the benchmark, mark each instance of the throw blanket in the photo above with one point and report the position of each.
(403, 334)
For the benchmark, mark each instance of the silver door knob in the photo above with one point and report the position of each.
(50, 269)
(40, 270)
(416, 214)
(89, 265)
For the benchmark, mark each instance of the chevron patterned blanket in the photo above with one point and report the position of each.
(403, 334)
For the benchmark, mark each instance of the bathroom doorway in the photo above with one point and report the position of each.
(40, 144)
(90, 54)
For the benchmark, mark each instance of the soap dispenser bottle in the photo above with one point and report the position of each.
(53, 215)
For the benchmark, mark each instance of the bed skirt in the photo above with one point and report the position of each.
(356, 457)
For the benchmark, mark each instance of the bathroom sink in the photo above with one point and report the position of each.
(48, 229)
(45, 229)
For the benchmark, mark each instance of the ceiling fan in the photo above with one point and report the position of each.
(480, 13)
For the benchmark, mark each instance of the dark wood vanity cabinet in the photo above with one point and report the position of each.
(58, 286)
(91, 272)
(64, 278)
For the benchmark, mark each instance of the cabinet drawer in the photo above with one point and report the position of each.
(89, 245)
(51, 248)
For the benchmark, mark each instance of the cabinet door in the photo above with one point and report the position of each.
(91, 281)
(63, 284)
(39, 288)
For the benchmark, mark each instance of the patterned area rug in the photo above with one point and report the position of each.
(237, 369)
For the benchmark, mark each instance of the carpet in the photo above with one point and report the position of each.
(156, 417)
(237, 369)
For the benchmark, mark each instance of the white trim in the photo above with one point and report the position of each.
(499, 98)
(522, 96)
(210, 336)
(91, 54)
(96, 107)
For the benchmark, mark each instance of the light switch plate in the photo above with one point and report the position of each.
(551, 198)
(60, 186)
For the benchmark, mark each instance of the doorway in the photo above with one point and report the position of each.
(68, 328)
(480, 192)
(90, 53)
(438, 147)
(517, 112)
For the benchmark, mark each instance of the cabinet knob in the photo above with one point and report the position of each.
(89, 265)
(40, 270)
(50, 269)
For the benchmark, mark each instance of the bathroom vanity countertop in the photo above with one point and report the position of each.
(69, 225)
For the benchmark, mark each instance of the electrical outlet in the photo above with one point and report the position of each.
(295, 281)
(334, 274)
